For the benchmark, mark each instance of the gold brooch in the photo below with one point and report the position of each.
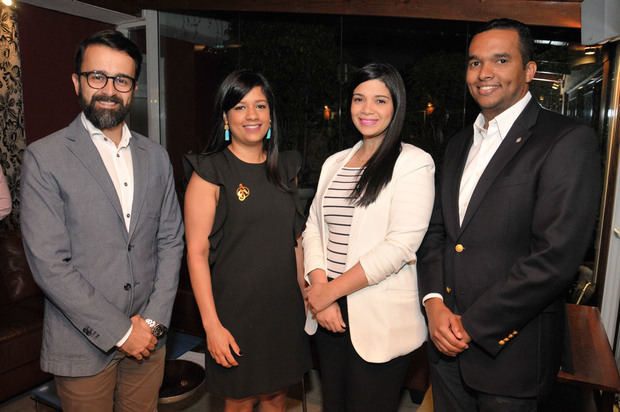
(242, 192)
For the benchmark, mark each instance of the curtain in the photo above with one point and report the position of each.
(12, 138)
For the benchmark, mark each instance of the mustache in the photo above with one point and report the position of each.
(106, 98)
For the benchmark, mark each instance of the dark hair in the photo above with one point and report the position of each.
(379, 168)
(526, 42)
(113, 39)
(234, 87)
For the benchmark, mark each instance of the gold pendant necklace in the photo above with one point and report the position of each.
(242, 192)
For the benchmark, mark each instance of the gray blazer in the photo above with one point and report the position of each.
(95, 274)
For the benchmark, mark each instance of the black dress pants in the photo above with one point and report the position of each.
(348, 382)
(450, 394)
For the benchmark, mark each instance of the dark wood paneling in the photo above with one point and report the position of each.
(565, 13)
(50, 102)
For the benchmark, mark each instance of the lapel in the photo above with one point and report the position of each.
(139, 158)
(81, 145)
(516, 138)
(453, 169)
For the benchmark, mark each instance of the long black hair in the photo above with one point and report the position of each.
(233, 88)
(380, 166)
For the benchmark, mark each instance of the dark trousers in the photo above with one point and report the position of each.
(450, 394)
(348, 382)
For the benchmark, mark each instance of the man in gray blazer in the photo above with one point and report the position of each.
(103, 235)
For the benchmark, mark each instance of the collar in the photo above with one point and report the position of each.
(505, 119)
(95, 133)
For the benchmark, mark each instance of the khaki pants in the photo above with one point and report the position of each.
(125, 385)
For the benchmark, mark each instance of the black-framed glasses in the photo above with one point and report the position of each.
(98, 80)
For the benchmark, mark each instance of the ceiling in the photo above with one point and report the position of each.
(559, 13)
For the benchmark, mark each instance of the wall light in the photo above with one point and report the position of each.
(590, 51)
(7, 2)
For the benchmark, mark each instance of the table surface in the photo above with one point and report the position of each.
(593, 360)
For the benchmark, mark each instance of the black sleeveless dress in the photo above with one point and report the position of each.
(253, 273)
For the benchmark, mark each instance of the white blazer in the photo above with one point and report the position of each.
(385, 319)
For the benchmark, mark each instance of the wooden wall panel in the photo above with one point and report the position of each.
(566, 13)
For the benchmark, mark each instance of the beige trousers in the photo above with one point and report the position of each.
(125, 385)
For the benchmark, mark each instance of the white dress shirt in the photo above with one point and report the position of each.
(118, 163)
(485, 144)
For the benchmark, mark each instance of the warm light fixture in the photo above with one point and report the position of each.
(555, 86)
(326, 113)
(7, 2)
(590, 51)
(429, 108)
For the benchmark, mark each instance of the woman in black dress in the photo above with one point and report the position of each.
(242, 224)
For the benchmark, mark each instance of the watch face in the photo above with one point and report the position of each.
(158, 330)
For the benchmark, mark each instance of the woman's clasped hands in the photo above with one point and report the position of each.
(323, 307)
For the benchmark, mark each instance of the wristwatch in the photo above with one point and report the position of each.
(157, 329)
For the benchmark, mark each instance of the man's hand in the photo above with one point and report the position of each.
(141, 341)
(445, 328)
(331, 318)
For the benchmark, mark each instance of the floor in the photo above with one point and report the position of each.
(202, 401)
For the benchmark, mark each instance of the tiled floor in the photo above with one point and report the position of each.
(202, 401)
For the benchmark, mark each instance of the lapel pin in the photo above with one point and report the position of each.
(518, 140)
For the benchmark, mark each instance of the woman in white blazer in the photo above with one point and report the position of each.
(368, 218)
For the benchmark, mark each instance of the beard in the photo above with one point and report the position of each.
(104, 118)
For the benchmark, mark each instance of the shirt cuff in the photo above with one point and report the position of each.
(124, 338)
(430, 296)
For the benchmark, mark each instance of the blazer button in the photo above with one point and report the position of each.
(129, 247)
(502, 342)
(127, 286)
(459, 248)
(448, 290)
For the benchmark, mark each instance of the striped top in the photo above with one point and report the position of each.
(338, 214)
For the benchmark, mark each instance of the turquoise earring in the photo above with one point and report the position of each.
(226, 133)
(269, 134)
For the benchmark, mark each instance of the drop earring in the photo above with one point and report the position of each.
(269, 131)
(226, 132)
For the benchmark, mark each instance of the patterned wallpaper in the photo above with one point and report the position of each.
(12, 139)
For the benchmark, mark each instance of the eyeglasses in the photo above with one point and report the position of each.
(98, 80)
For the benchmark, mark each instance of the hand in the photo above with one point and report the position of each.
(318, 297)
(304, 294)
(331, 318)
(219, 343)
(459, 330)
(445, 328)
(141, 341)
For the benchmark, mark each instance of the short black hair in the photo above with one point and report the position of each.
(526, 42)
(113, 39)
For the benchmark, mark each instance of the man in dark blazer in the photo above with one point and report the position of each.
(103, 235)
(514, 213)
